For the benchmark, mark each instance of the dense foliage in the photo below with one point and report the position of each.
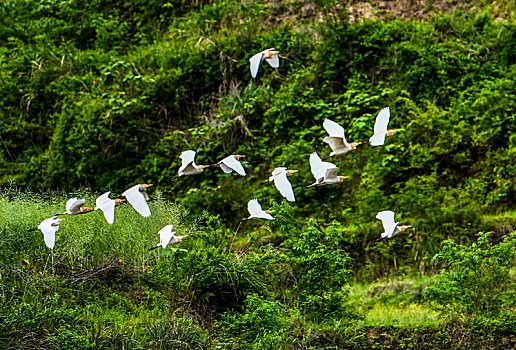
(106, 94)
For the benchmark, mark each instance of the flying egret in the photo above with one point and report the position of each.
(280, 178)
(137, 197)
(325, 173)
(107, 205)
(188, 166)
(256, 211)
(167, 236)
(380, 128)
(270, 55)
(390, 227)
(74, 207)
(337, 139)
(49, 228)
(231, 163)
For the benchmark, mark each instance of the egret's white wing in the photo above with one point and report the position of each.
(378, 139)
(380, 127)
(382, 120)
(254, 207)
(74, 204)
(262, 215)
(233, 164)
(316, 166)
(165, 235)
(137, 200)
(277, 171)
(389, 225)
(255, 63)
(334, 129)
(284, 186)
(107, 205)
(225, 168)
(49, 228)
(331, 173)
(274, 60)
(188, 159)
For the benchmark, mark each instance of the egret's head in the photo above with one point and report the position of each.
(269, 211)
(119, 200)
(201, 167)
(290, 172)
(145, 186)
(85, 209)
(355, 144)
(180, 238)
(272, 53)
(405, 227)
(238, 156)
(342, 178)
(392, 132)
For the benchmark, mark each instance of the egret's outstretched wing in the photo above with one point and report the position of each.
(274, 60)
(230, 163)
(380, 127)
(255, 63)
(331, 173)
(107, 205)
(382, 120)
(165, 235)
(49, 228)
(316, 166)
(137, 200)
(277, 171)
(389, 225)
(254, 207)
(74, 204)
(188, 161)
(284, 186)
(333, 129)
(263, 215)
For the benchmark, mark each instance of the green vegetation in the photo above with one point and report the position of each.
(101, 95)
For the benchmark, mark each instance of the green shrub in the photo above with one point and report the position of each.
(475, 279)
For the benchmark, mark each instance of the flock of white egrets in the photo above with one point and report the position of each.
(325, 173)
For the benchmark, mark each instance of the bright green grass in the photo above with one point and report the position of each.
(394, 302)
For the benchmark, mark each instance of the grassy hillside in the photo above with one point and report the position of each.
(101, 95)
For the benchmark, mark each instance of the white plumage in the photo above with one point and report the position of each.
(389, 225)
(188, 166)
(380, 127)
(270, 55)
(49, 228)
(167, 236)
(280, 178)
(256, 211)
(336, 138)
(73, 206)
(138, 199)
(107, 205)
(324, 172)
(231, 163)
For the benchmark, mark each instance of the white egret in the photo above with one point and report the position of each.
(232, 163)
(280, 178)
(188, 166)
(256, 211)
(137, 197)
(380, 128)
(390, 227)
(270, 55)
(74, 206)
(325, 173)
(337, 139)
(49, 228)
(167, 236)
(107, 205)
